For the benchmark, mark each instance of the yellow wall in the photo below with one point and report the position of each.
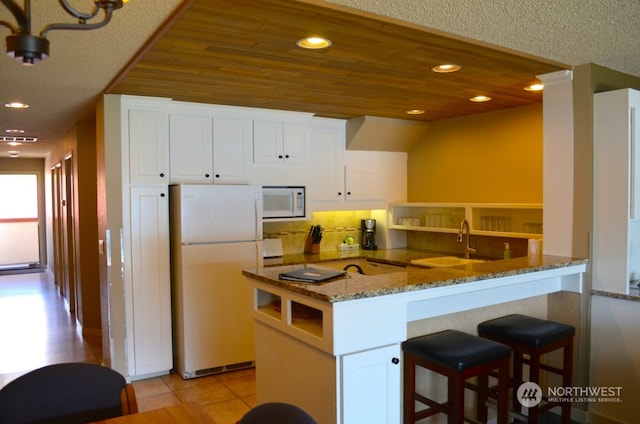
(489, 157)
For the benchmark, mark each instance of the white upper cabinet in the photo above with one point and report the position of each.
(373, 179)
(231, 150)
(191, 141)
(616, 232)
(281, 151)
(148, 142)
(280, 143)
(344, 180)
(206, 148)
(327, 163)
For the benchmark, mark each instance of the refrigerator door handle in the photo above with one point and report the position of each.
(258, 216)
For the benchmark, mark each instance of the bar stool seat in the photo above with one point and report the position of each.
(458, 356)
(534, 337)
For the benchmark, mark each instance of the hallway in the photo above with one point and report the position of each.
(36, 330)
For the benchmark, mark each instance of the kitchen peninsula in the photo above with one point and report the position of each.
(334, 348)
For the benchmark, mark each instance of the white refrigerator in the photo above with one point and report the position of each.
(216, 232)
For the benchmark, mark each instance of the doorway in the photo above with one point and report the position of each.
(19, 222)
(63, 226)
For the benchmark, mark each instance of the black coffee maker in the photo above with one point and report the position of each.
(368, 229)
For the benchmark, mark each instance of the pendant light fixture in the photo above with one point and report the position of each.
(28, 48)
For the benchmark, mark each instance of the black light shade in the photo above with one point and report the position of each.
(26, 48)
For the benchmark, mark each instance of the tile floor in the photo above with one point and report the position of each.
(36, 330)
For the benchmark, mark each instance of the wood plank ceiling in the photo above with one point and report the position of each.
(243, 52)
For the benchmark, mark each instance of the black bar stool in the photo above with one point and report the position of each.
(458, 356)
(534, 338)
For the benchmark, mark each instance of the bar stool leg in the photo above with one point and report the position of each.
(567, 379)
(409, 390)
(503, 393)
(517, 380)
(534, 376)
(456, 399)
(483, 396)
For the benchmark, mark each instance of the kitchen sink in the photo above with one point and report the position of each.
(444, 261)
(360, 264)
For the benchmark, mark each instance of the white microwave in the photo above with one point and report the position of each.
(283, 202)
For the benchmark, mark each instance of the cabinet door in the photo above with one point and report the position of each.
(364, 181)
(148, 147)
(231, 150)
(267, 142)
(371, 386)
(616, 228)
(296, 143)
(327, 163)
(150, 351)
(378, 177)
(275, 142)
(191, 142)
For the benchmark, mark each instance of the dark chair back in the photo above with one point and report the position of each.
(276, 413)
(66, 393)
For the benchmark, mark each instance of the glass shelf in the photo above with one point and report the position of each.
(506, 220)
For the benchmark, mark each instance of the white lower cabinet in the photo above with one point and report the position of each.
(615, 358)
(306, 355)
(148, 296)
(371, 386)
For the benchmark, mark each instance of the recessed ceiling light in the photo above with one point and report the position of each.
(415, 112)
(16, 105)
(14, 131)
(444, 69)
(480, 99)
(535, 87)
(313, 43)
(19, 138)
(14, 153)
(14, 143)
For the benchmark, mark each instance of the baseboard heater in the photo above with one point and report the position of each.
(221, 369)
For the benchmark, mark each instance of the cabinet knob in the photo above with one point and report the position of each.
(162, 175)
(217, 175)
(161, 194)
(396, 361)
(286, 156)
(279, 156)
(339, 193)
(206, 175)
(348, 193)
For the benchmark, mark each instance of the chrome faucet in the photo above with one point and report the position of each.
(464, 225)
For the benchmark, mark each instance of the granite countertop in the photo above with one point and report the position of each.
(634, 294)
(399, 257)
(357, 286)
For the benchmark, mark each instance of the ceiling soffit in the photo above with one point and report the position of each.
(243, 53)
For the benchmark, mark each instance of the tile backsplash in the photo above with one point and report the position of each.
(336, 226)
